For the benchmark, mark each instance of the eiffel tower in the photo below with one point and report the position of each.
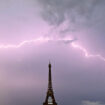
(50, 100)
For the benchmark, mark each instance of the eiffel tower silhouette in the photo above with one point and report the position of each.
(50, 99)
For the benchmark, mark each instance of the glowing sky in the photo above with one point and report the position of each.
(69, 33)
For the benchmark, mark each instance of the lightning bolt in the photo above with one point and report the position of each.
(41, 39)
(86, 53)
(64, 40)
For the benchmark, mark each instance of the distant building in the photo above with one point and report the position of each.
(50, 100)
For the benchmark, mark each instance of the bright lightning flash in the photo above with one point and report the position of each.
(74, 45)
(23, 43)
(43, 39)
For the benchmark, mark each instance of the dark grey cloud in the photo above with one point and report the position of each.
(76, 12)
(69, 41)
(83, 19)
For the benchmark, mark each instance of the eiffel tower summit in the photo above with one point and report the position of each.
(50, 99)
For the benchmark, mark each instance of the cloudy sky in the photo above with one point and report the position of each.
(69, 33)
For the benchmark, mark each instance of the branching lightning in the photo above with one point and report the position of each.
(74, 45)
(43, 39)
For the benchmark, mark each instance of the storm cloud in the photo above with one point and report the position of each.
(77, 13)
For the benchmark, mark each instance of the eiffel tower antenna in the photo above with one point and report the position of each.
(49, 78)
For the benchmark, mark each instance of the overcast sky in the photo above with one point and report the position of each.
(77, 79)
